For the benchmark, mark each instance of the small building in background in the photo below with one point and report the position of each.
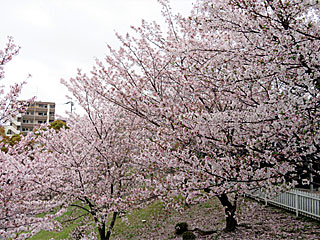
(37, 113)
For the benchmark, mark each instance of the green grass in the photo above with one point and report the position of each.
(155, 220)
(126, 229)
(130, 228)
(64, 234)
(138, 222)
(67, 228)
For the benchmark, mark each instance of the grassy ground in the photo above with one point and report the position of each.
(256, 222)
(64, 234)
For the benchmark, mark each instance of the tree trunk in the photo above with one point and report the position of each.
(230, 210)
(102, 232)
(102, 229)
(114, 216)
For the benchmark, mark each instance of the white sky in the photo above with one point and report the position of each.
(59, 36)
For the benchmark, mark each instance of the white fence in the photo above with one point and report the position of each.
(300, 202)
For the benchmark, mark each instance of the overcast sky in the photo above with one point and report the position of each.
(59, 36)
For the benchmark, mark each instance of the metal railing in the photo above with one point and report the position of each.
(300, 202)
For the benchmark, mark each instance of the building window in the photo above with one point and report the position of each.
(27, 121)
(43, 106)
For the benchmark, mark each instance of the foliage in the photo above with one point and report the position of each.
(58, 124)
(7, 141)
(9, 104)
(85, 166)
(230, 95)
(9, 107)
(225, 102)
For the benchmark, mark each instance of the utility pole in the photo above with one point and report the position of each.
(71, 105)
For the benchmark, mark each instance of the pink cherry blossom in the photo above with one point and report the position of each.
(230, 95)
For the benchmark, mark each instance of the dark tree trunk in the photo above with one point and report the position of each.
(114, 217)
(230, 210)
(102, 232)
(102, 229)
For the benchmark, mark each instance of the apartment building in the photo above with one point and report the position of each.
(36, 114)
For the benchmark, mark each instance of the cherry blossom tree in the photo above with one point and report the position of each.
(230, 95)
(9, 107)
(85, 166)
(9, 104)
(226, 101)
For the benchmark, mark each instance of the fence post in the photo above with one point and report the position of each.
(311, 178)
(297, 204)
